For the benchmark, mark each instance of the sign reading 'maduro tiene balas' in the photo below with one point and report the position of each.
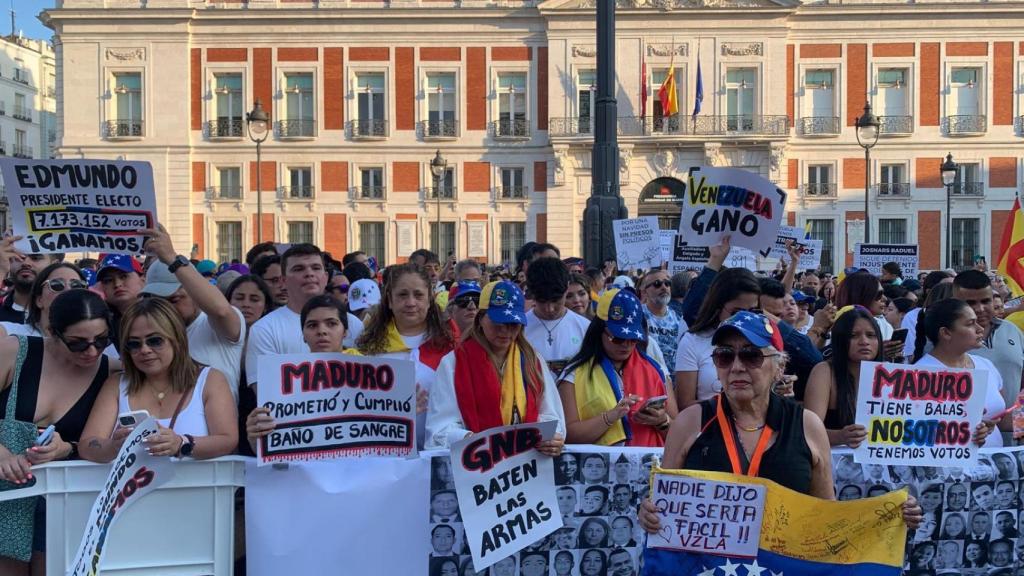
(731, 202)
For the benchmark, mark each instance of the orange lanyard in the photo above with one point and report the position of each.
(730, 443)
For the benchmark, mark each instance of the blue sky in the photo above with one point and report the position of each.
(25, 12)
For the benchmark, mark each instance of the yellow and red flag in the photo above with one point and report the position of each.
(1011, 250)
(668, 94)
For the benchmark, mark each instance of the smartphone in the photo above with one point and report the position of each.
(655, 403)
(900, 335)
(131, 419)
(46, 436)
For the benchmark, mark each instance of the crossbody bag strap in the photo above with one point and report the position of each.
(12, 399)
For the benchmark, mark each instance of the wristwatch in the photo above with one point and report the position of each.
(188, 444)
(179, 261)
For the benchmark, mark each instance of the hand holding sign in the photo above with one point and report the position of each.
(731, 201)
(158, 243)
(9, 253)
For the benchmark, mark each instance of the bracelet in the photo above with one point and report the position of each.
(73, 454)
(604, 418)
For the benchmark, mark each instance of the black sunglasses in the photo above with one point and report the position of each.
(464, 301)
(750, 356)
(78, 345)
(660, 284)
(152, 342)
(58, 285)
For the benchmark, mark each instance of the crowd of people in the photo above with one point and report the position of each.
(726, 369)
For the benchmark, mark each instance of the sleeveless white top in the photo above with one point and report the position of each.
(191, 419)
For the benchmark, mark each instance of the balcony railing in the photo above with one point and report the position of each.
(302, 128)
(224, 192)
(818, 190)
(754, 125)
(571, 127)
(819, 126)
(226, 128)
(968, 189)
(1018, 124)
(895, 125)
(368, 129)
(429, 129)
(511, 192)
(124, 128)
(511, 128)
(962, 125)
(21, 77)
(22, 151)
(22, 113)
(893, 189)
(370, 193)
(297, 192)
(444, 193)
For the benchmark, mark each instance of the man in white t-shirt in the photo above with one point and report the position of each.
(215, 328)
(664, 324)
(554, 331)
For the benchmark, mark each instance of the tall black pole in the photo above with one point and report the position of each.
(605, 203)
(949, 226)
(867, 194)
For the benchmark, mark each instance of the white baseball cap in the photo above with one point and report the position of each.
(363, 294)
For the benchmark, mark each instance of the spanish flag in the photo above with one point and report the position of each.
(801, 535)
(668, 94)
(1011, 251)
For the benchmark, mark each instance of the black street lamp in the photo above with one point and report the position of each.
(437, 168)
(257, 123)
(868, 127)
(949, 170)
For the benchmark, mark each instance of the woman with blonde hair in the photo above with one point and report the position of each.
(494, 377)
(192, 403)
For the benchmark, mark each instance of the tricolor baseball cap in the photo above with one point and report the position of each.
(503, 302)
(622, 314)
(363, 294)
(802, 298)
(761, 331)
(121, 262)
(463, 288)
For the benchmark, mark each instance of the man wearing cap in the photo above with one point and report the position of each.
(463, 304)
(23, 269)
(120, 279)
(363, 295)
(804, 318)
(214, 327)
(554, 331)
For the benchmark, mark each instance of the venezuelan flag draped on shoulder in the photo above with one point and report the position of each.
(799, 534)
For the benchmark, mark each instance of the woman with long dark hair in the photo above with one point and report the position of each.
(863, 289)
(832, 387)
(696, 379)
(920, 344)
(494, 377)
(605, 386)
(51, 281)
(252, 296)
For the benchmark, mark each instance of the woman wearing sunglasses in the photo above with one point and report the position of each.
(832, 386)
(192, 403)
(606, 387)
(494, 377)
(748, 430)
(53, 380)
(50, 282)
(863, 289)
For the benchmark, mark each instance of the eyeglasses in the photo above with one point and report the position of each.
(151, 342)
(660, 284)
(618, 341)
(750, 356)
(880, 295)
(465, 301)
(58, 285)
(78, 345)
(340, 289)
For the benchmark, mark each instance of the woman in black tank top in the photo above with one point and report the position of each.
(747, 430)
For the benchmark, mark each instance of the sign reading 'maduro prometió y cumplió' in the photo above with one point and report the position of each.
(79, 205)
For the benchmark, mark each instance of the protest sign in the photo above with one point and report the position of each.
(708, 516)
(506, 490)
(334, 405)
(134, 474)
(637, 243)
(686, 257)
(810, 250)
(79, 205)
(667, 241)
(731, 202)
(872, 257)
(919, 415)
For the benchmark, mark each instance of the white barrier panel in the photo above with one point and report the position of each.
(185, 528)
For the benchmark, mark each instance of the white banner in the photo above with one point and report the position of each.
(731, 202)
(810, 250)
(133, 474)
(872, 257)
(637, 243)
(667, 240)
(334, 405)
(79, 205)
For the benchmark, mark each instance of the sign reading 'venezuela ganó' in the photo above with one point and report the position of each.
(79, 205)
(328, 406)
(730, 202)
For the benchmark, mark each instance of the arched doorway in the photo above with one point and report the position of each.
(663, 197)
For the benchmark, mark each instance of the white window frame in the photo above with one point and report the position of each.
(215, 69)
(802, 96)
(682, 94)
(212, 233)
(574, 103)
(500, 182)
(356, 179)
(313, 222)
(424, 96)
(213, 179)
(281, 107)
(906, 223)
(285, 180)
(878, 64)
(723, 93)
(357, 233)
(111, 86)
(951, 62)
(427, 177)
(499, 69)
(354, 70)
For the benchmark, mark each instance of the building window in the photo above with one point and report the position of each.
(740, 89)
(966, 235)
(964, 92)
(21, 148)
(299, 108)
(229, 183)
(446, 185)
(371, 183)
(512, 97)
(21, 111)
(824, 230)
(968, 180)
(300, 183)
(20, 74)
(442, 101)
(371, 240)
(300, 232)
(228, 104)
(512, 183)
(229, 241)
(127, 105)
(819, 180)
(660, 122)
(819, 86)
(370, 98)
(892, 231)
(586, 85)
(892, 181)
(513, 236)
(446, 244)
(893, 101)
